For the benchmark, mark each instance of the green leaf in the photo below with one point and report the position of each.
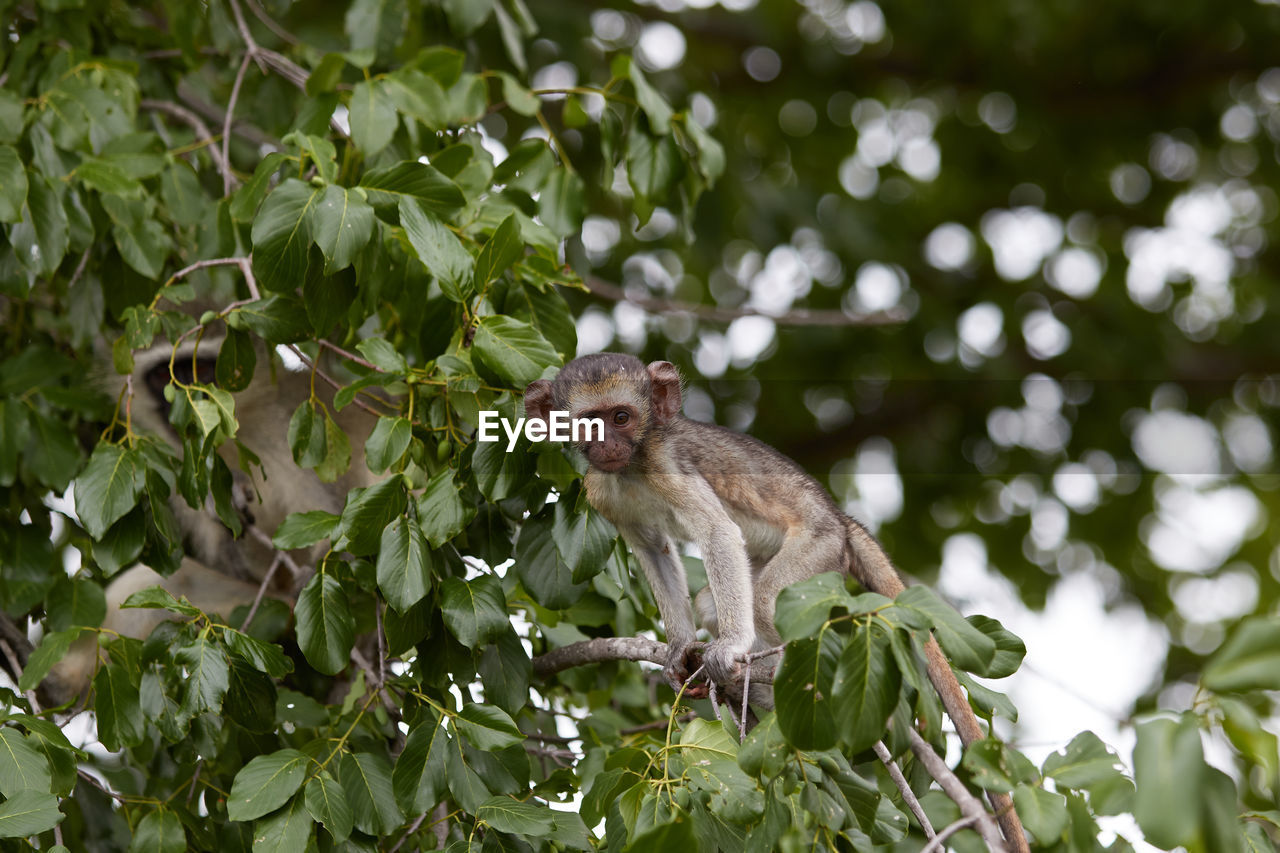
(418, 96)
(547, 311)
(803, 691)
(343, 224)
(404, 564)
(439, 250)
(505, 669)
(282, 231)
(583, 538)
(237, 359)
(466, 16)
(39, 237)
(513, 816)
(262, 656)
(28, 813)
(865, 687)
(266, 783)
(1043, 813)
(367, 512)
(412, 179)
(326, 75)
(13, 184)
(182, 194)
(563, 203)
(1085, 762)
(804, 607)
(326, 802)
(653, 168)
(1249, 660)
(441, 513)
(366, 778)
(654, 105)
(278, 319)
(503, 248)
(326, 628)
(997, 767)
(10, 116)
(541, 569)
(307, 438)
(372, 116)
(286, 831)
(75, 603)
(120, 722)
(302, 529)
(244, 204)
(107, 178)
(207, 673)
(665, 837)
(488, 727)
(1010, 650)
(383, 355)
(710, 757)
(54, 645)
(160, 831)
(474, 611)
(109, 487)
(711, 158)
(144, 246)
(419, 779)
(966, 646)
(513, 349)
(159, 597)
(21, 764)
(518, 97)
(1168, 765)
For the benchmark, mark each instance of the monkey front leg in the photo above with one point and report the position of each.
(729, 578)
(656, 552)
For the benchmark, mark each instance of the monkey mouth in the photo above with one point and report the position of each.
(611, 466)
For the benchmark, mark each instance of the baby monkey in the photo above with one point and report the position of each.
(759, 520)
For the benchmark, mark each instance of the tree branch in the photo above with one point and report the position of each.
(229, 179)
(970, 806)
(908, 795)
(717, 314)
(599, 650)
(195, 123)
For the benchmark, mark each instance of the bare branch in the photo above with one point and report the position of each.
(970, 806)
(195, 123)
(12, 657)
(600, 650)
(228, 179)
(937, 841)
(333, 383)
(262, 590)
(908, 795)
(270, 23)
(716, 314)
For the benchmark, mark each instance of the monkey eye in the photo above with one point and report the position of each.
(621, 417)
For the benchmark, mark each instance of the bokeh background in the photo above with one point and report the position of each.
(1001, 275)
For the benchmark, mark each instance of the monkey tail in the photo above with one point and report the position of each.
(873, 569)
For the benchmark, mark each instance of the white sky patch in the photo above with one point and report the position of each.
(748, 337)
(711, 358)
(981, 329)
(878, 287)
(878, 483)
(661, 46)
(1075, 272)
(998, 112)
(1178, 444)
(950, 246)
(784, 279)
(1230, 595)
(1076, 485)
(595, 331)
(1197, 531)
(1045, 335)
(1020, 240)
(1248, 441)
(557, 75)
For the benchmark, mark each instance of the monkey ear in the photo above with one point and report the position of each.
(665, 394)
(537, 400)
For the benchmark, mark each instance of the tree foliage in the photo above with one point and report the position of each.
(444, 197)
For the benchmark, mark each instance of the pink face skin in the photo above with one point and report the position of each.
(613, 453)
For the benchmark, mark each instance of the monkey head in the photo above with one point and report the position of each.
(631, 399)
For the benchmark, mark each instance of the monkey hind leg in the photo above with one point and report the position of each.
(705, 606)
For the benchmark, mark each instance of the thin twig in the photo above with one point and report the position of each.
(333, 383)
(197, 124)
(715, 700)
(350, 356)
(938, 840)
(746, 696)
(195, 777)
(413, 827)
(382, 652)
(75, 276)
(908, 795)
(717, 314)
(262, 590)
(970, 806)
(228, 179)
(270, 23)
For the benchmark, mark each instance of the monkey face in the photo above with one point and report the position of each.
(613, 452)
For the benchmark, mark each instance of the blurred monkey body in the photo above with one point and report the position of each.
(759, 520)
(220, 570)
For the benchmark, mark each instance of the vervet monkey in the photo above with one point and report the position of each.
(221, 572)
(759, 520)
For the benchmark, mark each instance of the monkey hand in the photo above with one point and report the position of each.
(678, 666)
(720, 660)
